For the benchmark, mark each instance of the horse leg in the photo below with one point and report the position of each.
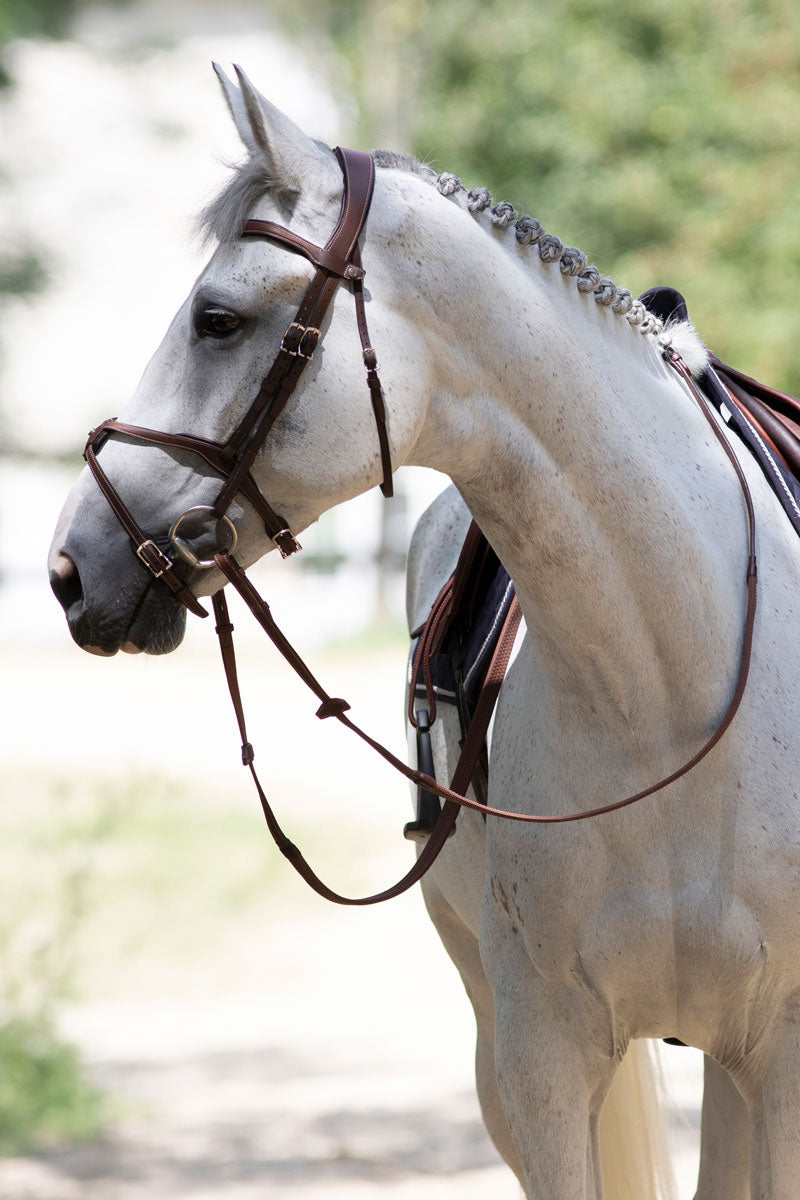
(775, 1142)
(552, 1074)
(462, 947)
(724, 1139)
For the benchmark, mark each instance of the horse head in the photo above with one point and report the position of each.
(322, 448)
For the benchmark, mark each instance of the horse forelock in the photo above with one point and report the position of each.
(223, 217)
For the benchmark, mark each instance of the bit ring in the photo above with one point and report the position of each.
(185, 550)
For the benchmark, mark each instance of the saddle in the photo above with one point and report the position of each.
(451, 651)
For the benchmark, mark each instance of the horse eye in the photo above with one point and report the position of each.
(216, 322)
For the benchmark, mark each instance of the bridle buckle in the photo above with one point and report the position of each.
(304, 345)
(286, 542)
(153, 558)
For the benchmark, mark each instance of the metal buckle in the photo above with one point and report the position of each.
(201, 564)
(286, 542)
(149, 548)
(304, 331)
(310, 329)
(289, 328)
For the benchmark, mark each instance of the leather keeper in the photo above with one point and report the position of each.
(334, 706)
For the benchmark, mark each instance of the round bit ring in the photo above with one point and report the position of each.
(183, 548)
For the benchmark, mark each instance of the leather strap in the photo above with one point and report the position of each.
(159, 564)
(335, 707)
(339, 258)
(320, 256)
(214, 454)
(456, 596)
(373, 381)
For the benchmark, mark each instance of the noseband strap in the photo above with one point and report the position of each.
(337, 261)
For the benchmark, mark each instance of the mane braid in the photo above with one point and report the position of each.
(573, 262)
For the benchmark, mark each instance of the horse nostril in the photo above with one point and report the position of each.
(65, 581)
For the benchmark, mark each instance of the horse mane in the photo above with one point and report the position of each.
(572, 262)
(223, 217)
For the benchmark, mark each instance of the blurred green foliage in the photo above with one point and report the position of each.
(660, 138)
(24, 18)
(20, 18)
(22, 273)
(47, 865)
(44, 1097)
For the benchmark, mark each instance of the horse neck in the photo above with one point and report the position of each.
(597, 480)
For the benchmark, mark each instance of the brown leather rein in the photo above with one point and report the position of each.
(339, 260)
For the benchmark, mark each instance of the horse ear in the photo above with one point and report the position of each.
(290, 155)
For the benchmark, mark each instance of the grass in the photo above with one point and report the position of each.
(99, 883)
(45, 1098)
(46, 861)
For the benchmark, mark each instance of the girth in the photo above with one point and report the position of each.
(339, 260)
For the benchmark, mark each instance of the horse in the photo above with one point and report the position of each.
(543, 390)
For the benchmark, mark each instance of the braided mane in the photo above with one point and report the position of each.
(530, 231)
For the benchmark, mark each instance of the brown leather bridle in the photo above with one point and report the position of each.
(339, 260)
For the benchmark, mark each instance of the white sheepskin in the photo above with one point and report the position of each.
(683, 337)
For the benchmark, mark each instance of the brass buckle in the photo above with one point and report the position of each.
(149, 548)
(304, 331)
(301, 353)
(185, 551)
(289, 328)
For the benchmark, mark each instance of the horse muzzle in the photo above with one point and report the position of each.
(108, 598)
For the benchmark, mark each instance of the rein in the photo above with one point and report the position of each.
(340, 261)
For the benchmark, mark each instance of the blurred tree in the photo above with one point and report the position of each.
(659, 138)
(23, 18)
(22, 269)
